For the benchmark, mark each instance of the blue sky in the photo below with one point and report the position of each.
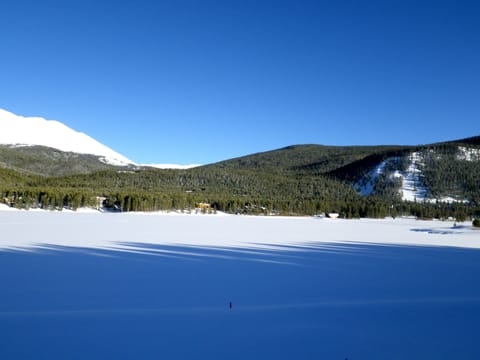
(201, 81)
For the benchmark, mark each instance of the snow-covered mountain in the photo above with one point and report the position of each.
(410, 179)
(410, 175)
(17, 130)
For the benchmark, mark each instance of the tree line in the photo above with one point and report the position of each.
(238, 192)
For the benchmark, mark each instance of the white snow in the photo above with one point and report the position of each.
(446, 199)
(412, 188)
(468, 154)
(366, 186)
(29, 230)
(172, 166)
(27, 131)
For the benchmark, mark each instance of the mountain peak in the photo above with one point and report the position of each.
(27, 131)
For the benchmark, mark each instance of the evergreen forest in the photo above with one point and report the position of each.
(296, 180)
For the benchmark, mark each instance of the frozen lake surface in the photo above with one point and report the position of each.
(129, 286)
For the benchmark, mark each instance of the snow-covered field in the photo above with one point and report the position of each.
(89, 229)
(89, 285)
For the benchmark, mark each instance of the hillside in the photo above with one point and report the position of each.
(46, 161)
(447, 171)
(237, 191)
(300, 159)
(433, 173)
(436, 180)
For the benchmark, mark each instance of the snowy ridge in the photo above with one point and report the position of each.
(17, 130)
(172, 166)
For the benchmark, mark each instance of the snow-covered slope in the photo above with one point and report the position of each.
(172, 166)
(411, 189)
(412, 186)
(27, 131)
(366, 185)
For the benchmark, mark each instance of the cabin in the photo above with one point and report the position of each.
(203, 206)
